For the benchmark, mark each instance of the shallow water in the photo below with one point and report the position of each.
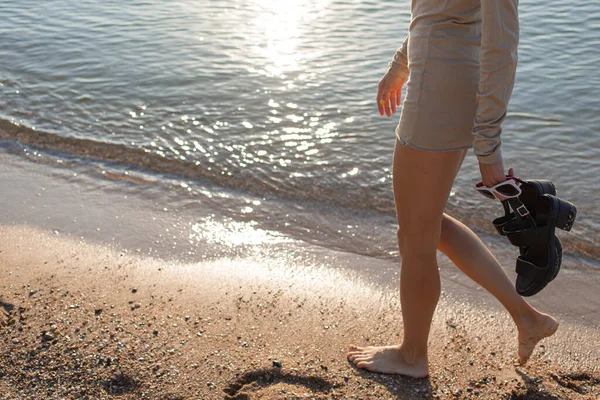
(265, 109)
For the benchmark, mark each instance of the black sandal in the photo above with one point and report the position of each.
(532, 190)
(541, 251)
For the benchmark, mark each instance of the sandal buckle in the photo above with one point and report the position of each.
(523, 211)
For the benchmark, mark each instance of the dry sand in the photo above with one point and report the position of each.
(81, 321)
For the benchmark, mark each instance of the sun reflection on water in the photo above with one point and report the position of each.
(233, 234)
(283, 22)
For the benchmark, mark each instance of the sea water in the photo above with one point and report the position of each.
(264, 110)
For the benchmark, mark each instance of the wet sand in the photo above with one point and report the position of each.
(85, 321)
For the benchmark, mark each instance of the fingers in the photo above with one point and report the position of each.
(398, 96)
(511, 172)
(387, 100)
(380, 101)
(394, 102)
(383, 105)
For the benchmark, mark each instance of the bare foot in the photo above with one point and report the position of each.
(531, 332)
(388, 360)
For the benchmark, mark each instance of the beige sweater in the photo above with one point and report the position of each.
(497, 63)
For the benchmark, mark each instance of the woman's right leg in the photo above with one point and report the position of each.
(472, 256)
(422, 182)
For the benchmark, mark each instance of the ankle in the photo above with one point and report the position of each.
(526, 315)
(412, 355)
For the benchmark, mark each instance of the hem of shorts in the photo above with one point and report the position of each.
(414, 146)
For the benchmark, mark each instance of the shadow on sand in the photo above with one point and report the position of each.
(6, 306)
(6, 313)
(577, 382)
(401, 387)
(534, 391)
(268, 377)
(398, 386)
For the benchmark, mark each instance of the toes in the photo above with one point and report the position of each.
(364, 365)
(354, 356)
(525, 350)
(354, 348)
(358, 360)
(523, 360)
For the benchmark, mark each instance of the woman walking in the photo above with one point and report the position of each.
(460, 59)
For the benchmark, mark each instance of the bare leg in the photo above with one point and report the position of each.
(422, 183)
(472, 257)
(419, 276)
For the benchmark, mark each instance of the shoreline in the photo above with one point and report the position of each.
(149, 224)
(241, 312)
(83, 320)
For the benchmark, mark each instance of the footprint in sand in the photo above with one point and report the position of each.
(266, 383)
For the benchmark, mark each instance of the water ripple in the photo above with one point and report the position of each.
(280, 94)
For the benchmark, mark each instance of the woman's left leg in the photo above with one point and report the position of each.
(471, 256)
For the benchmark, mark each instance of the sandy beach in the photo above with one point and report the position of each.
(197, 202)
(85, 321)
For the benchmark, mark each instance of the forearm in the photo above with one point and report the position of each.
(498, 64)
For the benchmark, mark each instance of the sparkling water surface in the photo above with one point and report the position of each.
(265, 109)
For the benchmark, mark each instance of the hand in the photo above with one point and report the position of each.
(492, 174)
(389, 92)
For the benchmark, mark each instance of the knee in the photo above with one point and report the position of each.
(418, 240)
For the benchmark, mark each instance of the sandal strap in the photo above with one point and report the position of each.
(508, 217)
(506, 206)
(525, 235)
(521, 212)
(500, 222)
(530, 271)
(519, 208)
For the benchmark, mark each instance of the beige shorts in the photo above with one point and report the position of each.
(439, 107)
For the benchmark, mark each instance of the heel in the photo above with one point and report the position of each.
(567, 212)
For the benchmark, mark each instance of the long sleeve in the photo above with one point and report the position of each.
(497, 67)
(399, 63)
